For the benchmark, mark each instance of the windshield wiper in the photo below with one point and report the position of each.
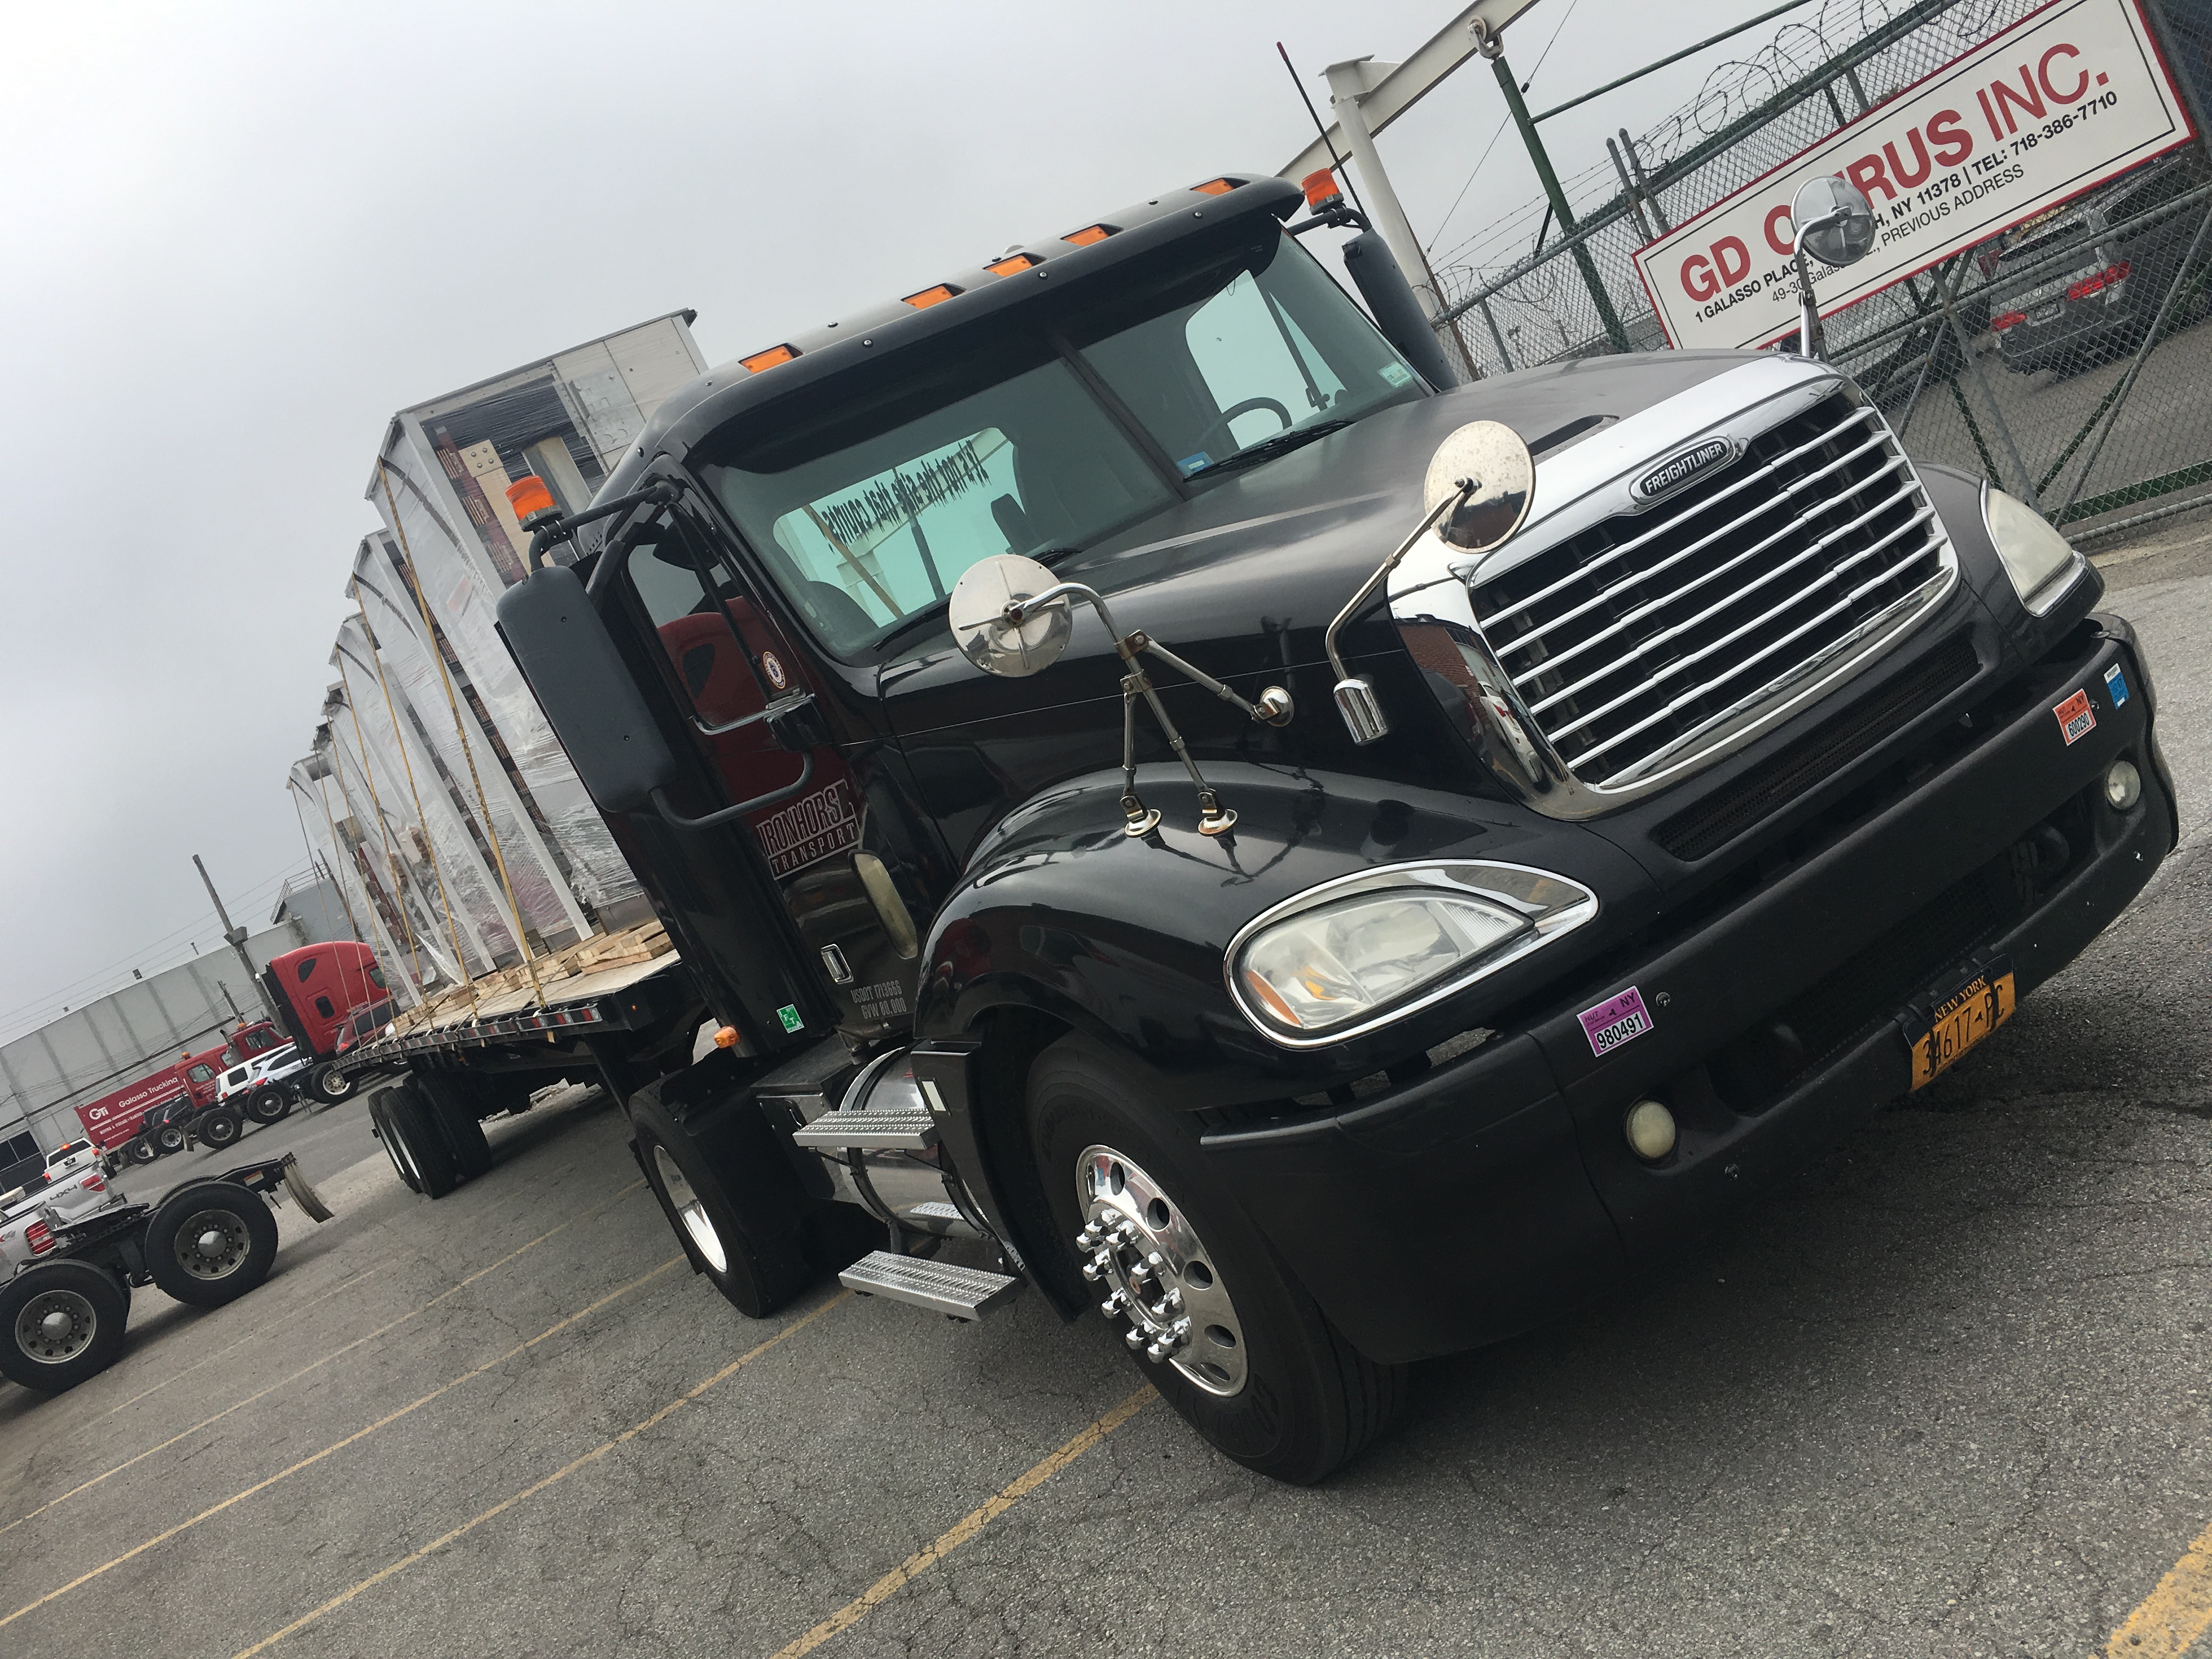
(1267, 449)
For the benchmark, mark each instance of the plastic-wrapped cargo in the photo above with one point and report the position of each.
(440, 484)
(334, 835)
(447, 705)
(452, 891)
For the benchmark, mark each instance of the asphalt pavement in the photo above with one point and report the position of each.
(1945, 1394)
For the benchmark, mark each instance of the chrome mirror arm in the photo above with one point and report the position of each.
(1274, 707)
(1355, 697)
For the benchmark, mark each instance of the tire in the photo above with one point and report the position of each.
(451, 1101)
(169, 1137)
(330, 1083)
(139, 1149)
(730, 1198)
(1260, 1372)
(211, 1243)
(269, 1104)
(392, 1148)
(220, 1127)
(411, 1134)
(52, 1356)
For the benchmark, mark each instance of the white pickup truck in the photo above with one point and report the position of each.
(72, 1245)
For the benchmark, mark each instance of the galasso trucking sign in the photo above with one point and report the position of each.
(2066, 98)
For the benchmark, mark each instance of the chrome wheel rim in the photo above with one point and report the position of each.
(55, 1327)
(1157, 1271)
(212, 1244)
(334, 1085)
(689, 1211)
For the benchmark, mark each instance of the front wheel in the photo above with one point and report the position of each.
(1208, 1311)
(139, 1149)
(60, 1322)
(330, 1084)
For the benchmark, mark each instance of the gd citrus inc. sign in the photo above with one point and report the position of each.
(2065, 99)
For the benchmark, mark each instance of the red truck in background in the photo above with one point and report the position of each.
(140, 1121)
(324, 994)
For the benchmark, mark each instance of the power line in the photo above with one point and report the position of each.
(1500, 133)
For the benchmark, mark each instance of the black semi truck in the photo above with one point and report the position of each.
(1321, 864)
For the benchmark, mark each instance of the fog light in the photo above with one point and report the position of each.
(1650, 1129)
(2123, 786)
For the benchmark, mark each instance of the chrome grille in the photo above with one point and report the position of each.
(1649, 637)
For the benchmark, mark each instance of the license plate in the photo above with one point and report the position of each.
(2043, 313)
(1958, 1021)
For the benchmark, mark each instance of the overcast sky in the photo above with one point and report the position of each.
(238, 237)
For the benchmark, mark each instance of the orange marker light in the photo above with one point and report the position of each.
(1321, 191)
(529, 496)
(1090, 233)
(1217, 186)
(727, 1037)
(1271, 999)
(1011, 263)
(769, 359)
(931, 296)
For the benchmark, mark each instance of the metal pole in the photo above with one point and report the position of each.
(1628, 189)
(1650, 196)
(2030, 494)
(1492, 49)
(235, 937)
(1504, 356)
(1346, 82)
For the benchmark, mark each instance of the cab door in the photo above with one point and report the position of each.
(725, 660)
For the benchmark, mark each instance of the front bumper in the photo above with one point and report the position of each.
(1484, 1197)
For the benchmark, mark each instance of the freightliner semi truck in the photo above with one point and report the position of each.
(1320, 865)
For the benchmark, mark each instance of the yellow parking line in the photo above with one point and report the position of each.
(968, 1525)
(336, 1446)
(532, 1490)
(254, 1335)
(313, 1365)
(2173, 1616)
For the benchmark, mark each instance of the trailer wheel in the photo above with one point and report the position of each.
(330, 1084)
(139, 1149)
(392, 1148)
(731, 1211)
(211, 1243)
(169, 1138)
(269, 1104)
(412, 1133)
(451, 1101)
(60, 1322)
(220, 1127)
(1219, 1324)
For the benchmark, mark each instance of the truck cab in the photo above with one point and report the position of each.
(320, 991)
(1115, 817)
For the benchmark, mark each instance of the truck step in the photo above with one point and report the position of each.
(889, 1132)
(957, 1292)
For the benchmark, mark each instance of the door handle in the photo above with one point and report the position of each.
(669, 815)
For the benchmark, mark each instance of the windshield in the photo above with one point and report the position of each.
(868, 513)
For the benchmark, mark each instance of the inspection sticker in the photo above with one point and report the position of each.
(2075, 718)
(1615, 1021)
(2116, 685)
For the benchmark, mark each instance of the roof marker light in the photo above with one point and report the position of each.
(1011, 263)
(1090, 233)
(766, 360)
(1217, 186)
(531, 498)
(931, 296)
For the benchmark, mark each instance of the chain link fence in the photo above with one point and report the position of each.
(2067, 361)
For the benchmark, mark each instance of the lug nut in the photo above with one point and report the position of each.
(1156, 1353)
(1136, 1336)
(1090, 1271)
(1114, 1303)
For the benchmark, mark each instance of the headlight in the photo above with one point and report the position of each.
(1353, 954)
(2039, 561)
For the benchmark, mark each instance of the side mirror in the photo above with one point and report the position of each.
(1835, 223)
(977, 615)
(563, 649)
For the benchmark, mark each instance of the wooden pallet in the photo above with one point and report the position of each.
(588, 955)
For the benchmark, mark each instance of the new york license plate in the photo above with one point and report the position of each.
(1958, 1021)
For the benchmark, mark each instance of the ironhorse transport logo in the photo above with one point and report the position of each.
(812, 827)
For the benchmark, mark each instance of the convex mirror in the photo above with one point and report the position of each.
(978, 614)
(1835, 223)
(1493, 456)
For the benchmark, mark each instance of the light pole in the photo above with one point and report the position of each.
(235, 937)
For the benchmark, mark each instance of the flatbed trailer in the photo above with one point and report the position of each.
(464, 1059)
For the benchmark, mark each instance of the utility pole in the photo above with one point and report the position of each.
(235, 937)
